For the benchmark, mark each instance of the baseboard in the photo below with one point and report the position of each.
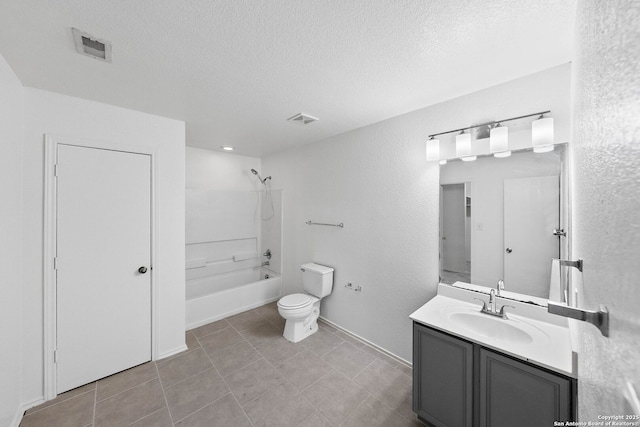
(17, 419)
(369, 343)
(172, 352)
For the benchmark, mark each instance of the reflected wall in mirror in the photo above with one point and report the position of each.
(497, 220)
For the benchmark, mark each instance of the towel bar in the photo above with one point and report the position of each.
(341, 225)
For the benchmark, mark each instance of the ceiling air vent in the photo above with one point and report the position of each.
(303, 119)
(94, 47)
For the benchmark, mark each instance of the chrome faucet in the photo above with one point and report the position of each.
(492, 309)
(265, 263)
(492, 301)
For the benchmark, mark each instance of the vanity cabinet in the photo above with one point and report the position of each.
(457, 383)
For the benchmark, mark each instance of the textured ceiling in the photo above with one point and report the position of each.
(235, 70)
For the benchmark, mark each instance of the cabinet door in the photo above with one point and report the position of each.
(514, 393)
(442, 378)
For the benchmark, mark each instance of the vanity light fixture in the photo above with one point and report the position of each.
(542, 138)
(463, 144)
(433, 149)
(542, 134)
(499, 141)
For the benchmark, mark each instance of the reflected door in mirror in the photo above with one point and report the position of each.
(531, 213)
(455, 235)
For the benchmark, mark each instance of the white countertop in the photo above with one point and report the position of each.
(551, 346)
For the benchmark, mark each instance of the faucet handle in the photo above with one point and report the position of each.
(484, 304)
(502, 313)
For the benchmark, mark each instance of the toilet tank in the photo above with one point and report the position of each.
(317, 279)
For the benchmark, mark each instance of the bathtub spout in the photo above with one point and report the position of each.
(265, 263)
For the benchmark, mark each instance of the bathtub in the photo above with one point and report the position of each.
(213, 298)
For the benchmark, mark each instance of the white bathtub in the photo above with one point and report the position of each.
(215, 297)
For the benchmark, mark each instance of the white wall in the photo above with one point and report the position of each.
(221, 171)
(11, 136)
(606, 194)
(50, 113)
(376, 180)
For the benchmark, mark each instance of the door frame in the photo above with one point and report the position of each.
(51, 143)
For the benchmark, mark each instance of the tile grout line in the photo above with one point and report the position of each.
(166, 402)
(225, 382)
(360, 373)
(316, 411)
(279, 374)
(54, 404)
(95, 404)
(148, 415)
(379, 399)
(284, 380)
(189, 377)
(127, 389)
(354, 410)
(200, 409)
(210, 333)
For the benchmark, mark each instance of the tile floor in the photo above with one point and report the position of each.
(241, 372)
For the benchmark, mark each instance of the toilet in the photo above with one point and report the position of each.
(301, 311)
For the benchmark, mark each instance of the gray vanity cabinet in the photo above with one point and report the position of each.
(442, 378)
(516, 393)
(457, 383)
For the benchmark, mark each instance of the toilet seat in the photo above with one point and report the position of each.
(295, 301)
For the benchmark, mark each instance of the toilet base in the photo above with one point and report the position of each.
(295, 330)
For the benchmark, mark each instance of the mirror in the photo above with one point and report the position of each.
(498, 217)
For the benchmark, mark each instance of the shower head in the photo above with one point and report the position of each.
(255, 172)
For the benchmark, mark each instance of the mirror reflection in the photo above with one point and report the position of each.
(498, 217)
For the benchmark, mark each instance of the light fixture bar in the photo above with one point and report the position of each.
(491, 123)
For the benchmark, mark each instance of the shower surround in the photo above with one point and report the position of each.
(226, 238)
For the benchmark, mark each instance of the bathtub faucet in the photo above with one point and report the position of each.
(265, 263)
(267, 254)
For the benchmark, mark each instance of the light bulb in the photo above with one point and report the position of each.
(542, 131)
(499, 139)
(463, 144)
(433, 149)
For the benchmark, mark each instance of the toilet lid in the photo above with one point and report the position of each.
(295, 301)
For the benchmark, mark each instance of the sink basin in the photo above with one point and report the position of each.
(492, 327)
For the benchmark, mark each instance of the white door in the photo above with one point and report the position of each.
(531, 213)
(103, 238)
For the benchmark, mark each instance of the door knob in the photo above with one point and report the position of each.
(509, 250)
(142, 270)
